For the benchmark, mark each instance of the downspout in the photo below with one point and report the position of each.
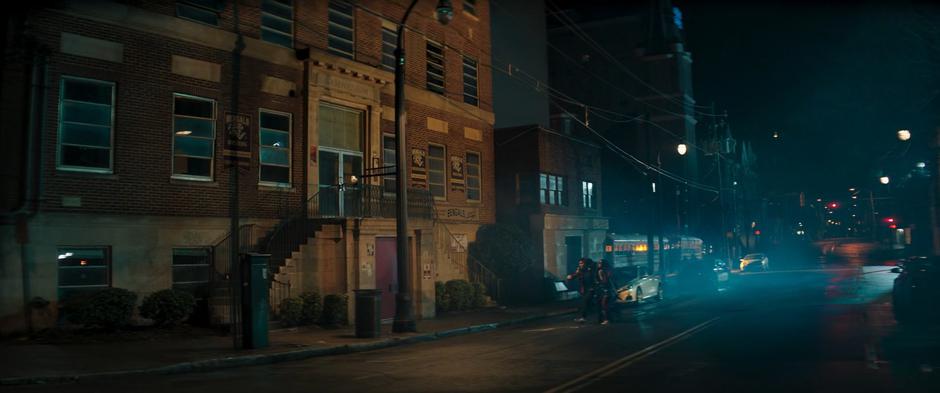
(21, 216)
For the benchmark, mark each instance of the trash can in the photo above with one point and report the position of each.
(368, 312)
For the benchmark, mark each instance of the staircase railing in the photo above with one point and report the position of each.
(459, 255)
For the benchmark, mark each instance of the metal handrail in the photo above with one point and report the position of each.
(476, 270)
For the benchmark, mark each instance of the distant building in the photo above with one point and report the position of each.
(549, 183)
(628, 63)
(116, 118)
(548, 180)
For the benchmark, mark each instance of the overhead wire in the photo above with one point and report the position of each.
(569, 23)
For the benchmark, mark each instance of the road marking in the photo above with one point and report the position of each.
(626, 361)
(548, 329)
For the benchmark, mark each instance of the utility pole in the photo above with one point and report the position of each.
(404, 314)
(651, 198)
(234, 269)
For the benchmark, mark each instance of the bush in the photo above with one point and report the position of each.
(460, 293)
(167, 307)
(504, 249)
(312, 307)
(478, 299)
(291, 311)
(334, 311)
(441, 299)
(109, 308)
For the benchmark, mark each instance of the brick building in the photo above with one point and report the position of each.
(117, 175)
(549, 183)
(549, 178)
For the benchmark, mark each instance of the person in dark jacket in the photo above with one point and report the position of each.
(604, 285)
(585, 275)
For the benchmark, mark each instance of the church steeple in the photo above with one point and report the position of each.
(664, 24)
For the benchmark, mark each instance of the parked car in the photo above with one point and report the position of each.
(754, 262)
(916, 292)
(637, 285)
(703, 275)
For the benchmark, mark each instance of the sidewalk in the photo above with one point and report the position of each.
(26, 362)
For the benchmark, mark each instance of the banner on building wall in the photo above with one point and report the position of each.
(456, 173)
(419, 169)
(238, 138)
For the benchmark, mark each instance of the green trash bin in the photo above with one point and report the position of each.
(368, 313)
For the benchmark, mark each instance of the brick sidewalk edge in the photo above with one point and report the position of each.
(278, 357)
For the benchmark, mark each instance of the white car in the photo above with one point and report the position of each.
(754, 262)
(639, 285)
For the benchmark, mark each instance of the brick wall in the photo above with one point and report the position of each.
(142, 130)
(141, 180)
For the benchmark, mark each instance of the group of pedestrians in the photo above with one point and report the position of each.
(596, 286)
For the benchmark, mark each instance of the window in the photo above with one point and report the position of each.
(473, 176)
(85, 125)
(341, 33)
(435, 67)
(436, 176)
(191, 270)
(470, 6)
(389, 42)
(388, 160)
(587, 194)
(470, 81)
(193, 136)
(277, 22)
(202, 11)
(340, 127)
(551, 189)
(274, 143)
(83, 270)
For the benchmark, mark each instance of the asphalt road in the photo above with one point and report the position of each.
(802, 330)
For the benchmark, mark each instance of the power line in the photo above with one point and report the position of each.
(650, 167)
(581, 34)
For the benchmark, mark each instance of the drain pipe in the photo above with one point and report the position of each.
(28, 208)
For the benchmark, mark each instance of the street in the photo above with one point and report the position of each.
(806, 329)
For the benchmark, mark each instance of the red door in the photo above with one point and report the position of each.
(386, 274)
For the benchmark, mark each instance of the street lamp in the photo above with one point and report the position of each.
(404, 313)
(884, 180)
(904, 135)
(682, 149)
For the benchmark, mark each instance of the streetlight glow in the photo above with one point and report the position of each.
(904, 135)
(885, 180)
(682, 149)
(921, 164)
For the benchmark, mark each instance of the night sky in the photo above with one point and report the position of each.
(836, 81)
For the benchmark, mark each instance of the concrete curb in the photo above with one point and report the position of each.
(279, 357)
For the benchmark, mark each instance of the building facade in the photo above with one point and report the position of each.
(628, 64)
(549, 184)
(123, 173)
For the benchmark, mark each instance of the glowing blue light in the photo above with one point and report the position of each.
(677, 17)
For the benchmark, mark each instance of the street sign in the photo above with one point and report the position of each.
(238, 138)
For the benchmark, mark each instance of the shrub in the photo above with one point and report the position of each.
(441, 299)
(312, 307)
(460, 293)
(109, 308)
(478, 299)
(505, 249)
(167, 307)
(334, 311)
(290, 312)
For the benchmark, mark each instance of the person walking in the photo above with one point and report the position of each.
(604, 284)
(586, 276)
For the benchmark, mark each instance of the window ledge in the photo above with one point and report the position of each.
(65, 171)
(276, 187)
(193, 182)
